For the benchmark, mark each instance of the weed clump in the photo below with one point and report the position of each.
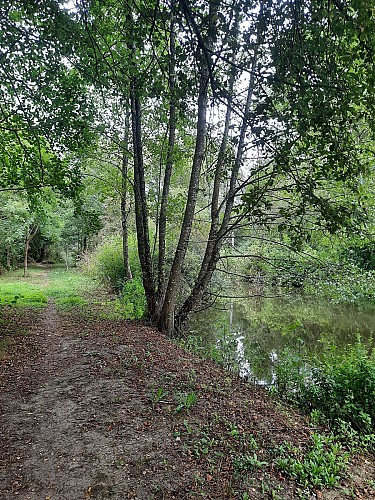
(320, 467)
(107, 264)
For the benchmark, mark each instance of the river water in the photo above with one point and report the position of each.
(252, 333)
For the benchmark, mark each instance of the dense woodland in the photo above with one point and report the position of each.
(165, 141)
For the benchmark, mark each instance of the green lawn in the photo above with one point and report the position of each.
(66, 288)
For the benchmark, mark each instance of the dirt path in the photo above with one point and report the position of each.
(90, 410)
(57, 417)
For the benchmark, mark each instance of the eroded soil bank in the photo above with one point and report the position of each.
(112, 409)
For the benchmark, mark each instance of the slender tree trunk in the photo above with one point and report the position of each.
(141, 212)
(217, 233)
(140, 200)
(124, 201)
(9, 258)
(166, 319)
(26, 256)
(168, 166)
(30, 233)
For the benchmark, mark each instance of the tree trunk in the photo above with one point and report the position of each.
(141, 212)
(9, 257)
(217, 233)
(168, 166)
(124, 201)
(140, 200)
(26, 255)
(166, 319)
(30, 233)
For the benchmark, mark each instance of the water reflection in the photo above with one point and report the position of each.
(253, 333)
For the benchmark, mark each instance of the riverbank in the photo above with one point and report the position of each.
(112, 409)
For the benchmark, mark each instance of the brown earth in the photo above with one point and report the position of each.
(97, 409)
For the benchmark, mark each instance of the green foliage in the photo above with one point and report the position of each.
(107, 264)
(328, 268)
(321, 466)
(157, 395)
(134, 299)
(248, 462)
(362, 254)
(339, 386)
(185, 401)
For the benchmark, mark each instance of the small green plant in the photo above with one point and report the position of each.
(157, 395)
(203, 445)
(321, 466)
(251, 443)
(185, 401)
(234, 432)
(248, 462)
(188, 427)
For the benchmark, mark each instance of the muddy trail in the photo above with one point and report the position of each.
(93, 408)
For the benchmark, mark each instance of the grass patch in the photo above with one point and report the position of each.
(70, 302)
(66, 288)
(19, 294)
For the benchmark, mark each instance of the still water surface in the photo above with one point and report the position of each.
(252, 333)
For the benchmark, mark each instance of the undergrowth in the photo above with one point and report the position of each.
(321, 466)
(106, 264)
(337, 389)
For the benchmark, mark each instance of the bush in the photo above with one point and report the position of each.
(106, 263)
(340, 386)
(134, 299)
(362, 254)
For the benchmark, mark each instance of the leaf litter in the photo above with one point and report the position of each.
(93, 408)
